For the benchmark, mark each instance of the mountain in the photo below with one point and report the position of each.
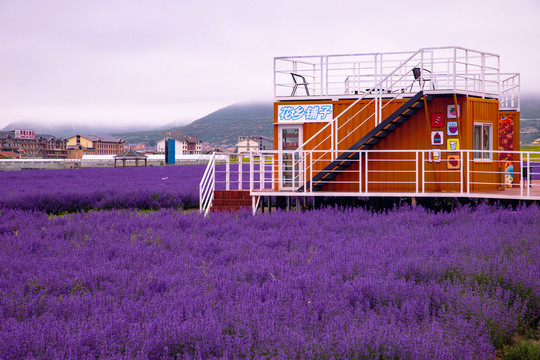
(529, 130)
(226, 125)
(530, 107)
(530, 119)
(67, 130)
(223, 126)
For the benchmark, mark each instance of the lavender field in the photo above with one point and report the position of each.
(69, 190)
(324, 284)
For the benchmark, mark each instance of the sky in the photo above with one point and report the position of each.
(134, 62)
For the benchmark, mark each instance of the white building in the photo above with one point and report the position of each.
(254, 143)
(183, 146)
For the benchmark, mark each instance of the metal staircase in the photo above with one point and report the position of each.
(367, 142)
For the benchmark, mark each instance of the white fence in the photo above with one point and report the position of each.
(95, 161)
(456, 173)
(438, 70)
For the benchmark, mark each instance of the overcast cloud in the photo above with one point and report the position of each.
(153, 62)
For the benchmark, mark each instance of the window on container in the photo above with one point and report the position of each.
(483, 136)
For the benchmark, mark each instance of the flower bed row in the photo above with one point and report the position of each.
(71, 190)
(407, 284)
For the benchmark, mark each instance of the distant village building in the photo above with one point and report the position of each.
(96, 144)
(75, 152)
(247, 145)
(207, 148)
(150, 150)
(183, 145)
(139, 147)
(53, 147)
(28, 144)
(9, 155)
(254, 143)
(225, 148)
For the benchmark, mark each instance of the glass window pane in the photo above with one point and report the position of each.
(477, 144)
(485, 137)
(487, 140)
(290, 171)
(482, 141)
(290, 139)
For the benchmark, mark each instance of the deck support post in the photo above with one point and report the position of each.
(240, 163)
(413, 201)
(228, 173)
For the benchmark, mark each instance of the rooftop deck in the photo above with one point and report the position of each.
(396, 74)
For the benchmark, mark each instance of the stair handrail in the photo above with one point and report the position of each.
(330, 123)
(394, 97)
(377, 87)
(207, 186)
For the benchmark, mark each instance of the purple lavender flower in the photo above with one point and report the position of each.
(70, 190)
(331, 283)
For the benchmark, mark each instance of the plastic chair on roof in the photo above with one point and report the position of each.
(299, 80)
(420, 76)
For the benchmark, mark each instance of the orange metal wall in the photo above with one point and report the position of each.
(413, 134)
(485, 111)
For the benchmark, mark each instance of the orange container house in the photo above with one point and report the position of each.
(438, 122)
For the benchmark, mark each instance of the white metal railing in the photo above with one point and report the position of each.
(443, 69)
(207, 186)
(453, 68)
(457, 173)
(389, 81)
(509, 98)
(234, 171)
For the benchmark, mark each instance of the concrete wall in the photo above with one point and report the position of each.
(89, 161)
(31, 164)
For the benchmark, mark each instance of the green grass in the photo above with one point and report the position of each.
(523, 350)
(245, 160)
(532, 148)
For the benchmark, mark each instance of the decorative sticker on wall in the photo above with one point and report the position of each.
(434, 155)
(452, 128)
(437, 120)
(451, 111)
(305, 113)
(508, 174)
(453, 162)
(506, 137)
(437, 137)
(452, 144)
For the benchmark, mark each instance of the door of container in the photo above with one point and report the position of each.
(290, 164)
